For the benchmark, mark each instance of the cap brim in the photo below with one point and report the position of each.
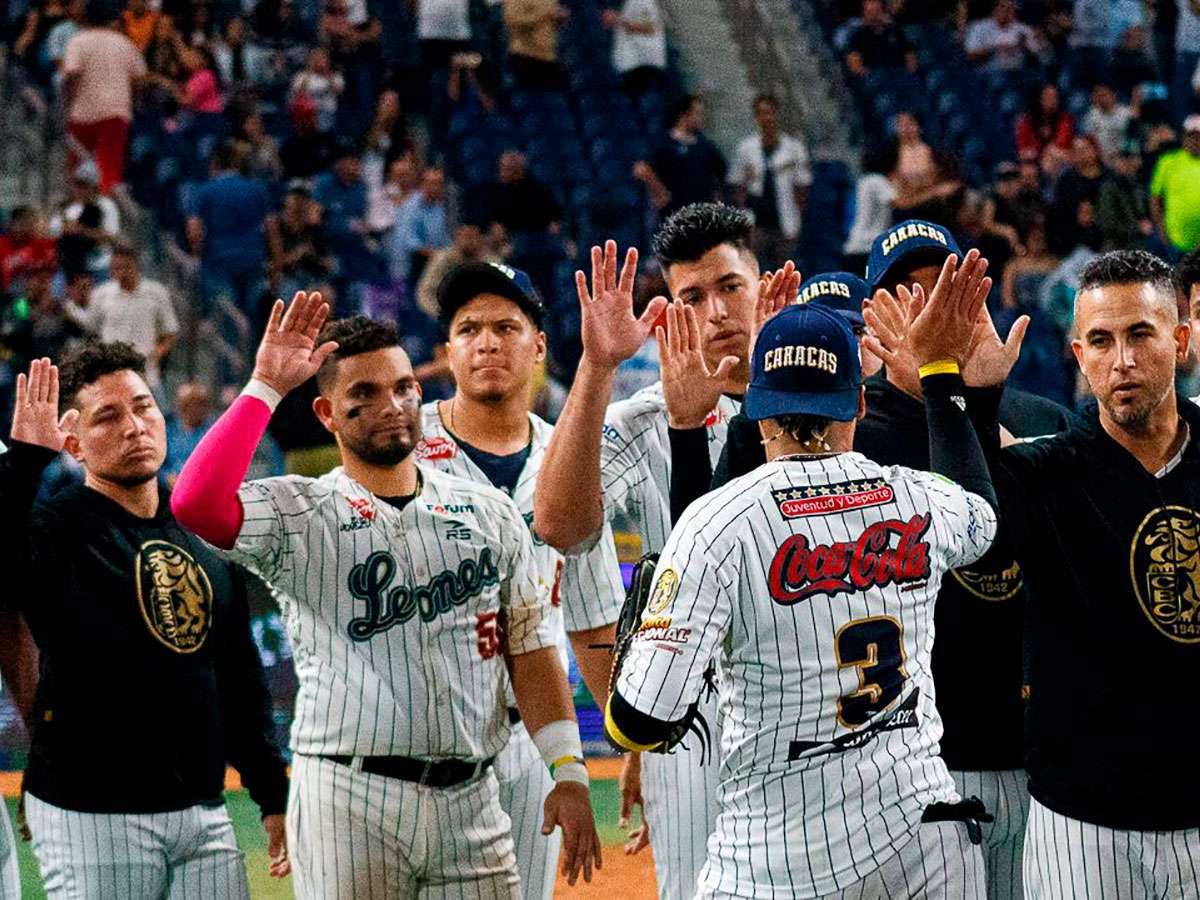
(936, 254)
(469, 281)
(765, 403)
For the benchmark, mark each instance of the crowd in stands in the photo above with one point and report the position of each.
(365, 149)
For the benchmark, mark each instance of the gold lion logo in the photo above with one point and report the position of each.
(1164, 564)
(175, 596)
(994, 586)
(665, 586)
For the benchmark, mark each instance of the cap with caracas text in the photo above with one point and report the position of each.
(805, 362)
(842, 292)
(908, 241)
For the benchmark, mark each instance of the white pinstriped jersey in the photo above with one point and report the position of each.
(392, 613)
(635, 460)
(586, 595)
(813, 582)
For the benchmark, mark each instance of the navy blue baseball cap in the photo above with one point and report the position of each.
(464, 283)
(805, 362)
(839, 291)
(914, 241)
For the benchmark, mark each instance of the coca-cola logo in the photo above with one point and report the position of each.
(799, 571)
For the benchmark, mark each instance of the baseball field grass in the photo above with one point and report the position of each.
(622, 878)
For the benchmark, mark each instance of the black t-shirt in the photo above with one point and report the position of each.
(306, 156)
(884, 48)
(694, 172)
(150, 680)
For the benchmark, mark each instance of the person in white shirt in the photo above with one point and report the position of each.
(873, 210)
(639, 53)
(132, 309)
(771, 175)
(1107, 121)
(1000, 43)
(443, 28)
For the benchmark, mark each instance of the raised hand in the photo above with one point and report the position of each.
(288, 355)
(991, 359)
(569, 807)
(888, 317)
(35, 413)
(690, 388)
(611, 332)
(946, 324)
(775, 291)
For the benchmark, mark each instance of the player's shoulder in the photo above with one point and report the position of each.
(294, 486)
(713, 513)
(629, 419)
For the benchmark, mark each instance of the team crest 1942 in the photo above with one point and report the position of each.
(1164, 563)
(175, 596)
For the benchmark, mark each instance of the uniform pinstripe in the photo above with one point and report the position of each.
(1067, 859)
(190, 854)
(524, 779)
(10, 876)
(1005, 794)
(823, 623)
(635, 475)
(392, 616)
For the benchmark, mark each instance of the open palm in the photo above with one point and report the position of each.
(288, 355)
(690, 388)
(611, 332)
(35, 413)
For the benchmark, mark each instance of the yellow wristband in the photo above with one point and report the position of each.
(939, 367)
(563, 760)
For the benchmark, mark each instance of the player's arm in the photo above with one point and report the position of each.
(205, 499)
(568, 506)
(592, 593)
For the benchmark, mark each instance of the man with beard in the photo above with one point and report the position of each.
(406, 592)
(1105, 520)
(149, 679)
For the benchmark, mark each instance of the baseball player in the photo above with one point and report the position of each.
(406, 592)
(149, 678)
(485, 433)
(603, 459)
(812, 579)
(1105, 520)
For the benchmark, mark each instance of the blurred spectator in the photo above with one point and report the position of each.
(101, 68)
(1175, 191)
(315, 90)
(60, 35)
(420, 230)
(34, 324)
(771, 175)
(1073, 214)
(299, 256)
(403, 178)
(1107, 121)
(263, 161)
(1123, 212)
(927, 182)
(1018, 198)
(133, 309)
(1027, 271)
(977, 227)
(443, 28)
(306, 152)
(1131, 62)
(639, 53)
(352, 36)
(533, 42)
(279, 27)
(241, 63)
(341, 195)
(87, 226)
(1187, 57)
(1045, 131)
(40, 19)
(1097, 29)
(226, 230)
(139, 21)
(387, 140)
(873, 196)
(1000, 43)
(520, 204)
(201, 94)
(878, 43)
(1188, 272)
(687, 167)
(187, 423)
(470, 245)
(24, 249)
(162, 55)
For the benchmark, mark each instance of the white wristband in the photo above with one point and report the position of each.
(562, 751)
(264, 392)
(572, 771)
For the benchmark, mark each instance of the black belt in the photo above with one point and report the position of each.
(437, 773)
(971, 811)
(514, 715)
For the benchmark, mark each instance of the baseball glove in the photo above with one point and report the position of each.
(641, 586)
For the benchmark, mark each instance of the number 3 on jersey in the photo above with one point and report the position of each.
(875, 647)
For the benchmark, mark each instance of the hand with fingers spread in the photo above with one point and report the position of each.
(991, 359)
(775, 291)
(945, 325)
(569, 807)
(690, 388)
(888, 317)
(611, 332)
(35, 413)
(288, 355)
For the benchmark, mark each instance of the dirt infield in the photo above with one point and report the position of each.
(622, 878)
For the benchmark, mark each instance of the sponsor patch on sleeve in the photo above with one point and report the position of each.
(825, 499)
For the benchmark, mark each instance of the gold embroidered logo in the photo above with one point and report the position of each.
(1164, 563)
(996, 586)
(175, 596)
(665, 585)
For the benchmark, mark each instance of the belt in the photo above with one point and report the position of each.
(436, 773)
(514, 715)
(970, 811)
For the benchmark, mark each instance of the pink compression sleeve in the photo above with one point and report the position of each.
(205, 499)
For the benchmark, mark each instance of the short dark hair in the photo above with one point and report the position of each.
(695, 229)
(1187, 274)
(803, 427)
(355, 335)
(89, 363)
(681, 106)
(122, 247)
(770, 99)
(1131, 267)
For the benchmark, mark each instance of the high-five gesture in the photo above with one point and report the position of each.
(775, 291)
(690, 388)
(288, 355)
(945, 326)
(888, 317)
(611, 332)
(991, 359)
(35, 416)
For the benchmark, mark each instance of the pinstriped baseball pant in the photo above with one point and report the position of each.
(524, 783)
(357, 836)
(189, 854)
(10, 876)
(1005, 794)
(1067, 858)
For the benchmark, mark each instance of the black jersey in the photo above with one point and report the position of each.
(1111, 555)
(150, 680)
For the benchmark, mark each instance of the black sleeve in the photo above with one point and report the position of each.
(691, 468)
(954, 448)
(743, 451)
(628, 728)
(249, 723)
(21, 469)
